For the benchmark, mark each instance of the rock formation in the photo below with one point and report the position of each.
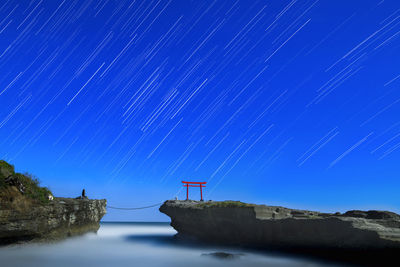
(237, 223)
(222, 255)
(60, 218)
(30, 212)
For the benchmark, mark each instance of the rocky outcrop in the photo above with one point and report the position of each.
(244, 224)
(222, 255)
(57, 219)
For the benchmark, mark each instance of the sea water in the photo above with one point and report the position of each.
(137, 244)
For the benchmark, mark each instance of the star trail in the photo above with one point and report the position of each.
(282, 102)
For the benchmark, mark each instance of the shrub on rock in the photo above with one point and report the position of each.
(26, 183)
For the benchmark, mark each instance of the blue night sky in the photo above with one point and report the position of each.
(293, 103)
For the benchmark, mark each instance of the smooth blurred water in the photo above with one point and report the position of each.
(135, 244)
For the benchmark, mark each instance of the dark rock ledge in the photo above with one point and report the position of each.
(60, 218)
(361, 237)
(29, 211)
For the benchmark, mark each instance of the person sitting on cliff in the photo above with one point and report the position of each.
(84, 194)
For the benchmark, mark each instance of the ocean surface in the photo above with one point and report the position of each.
(137, 244)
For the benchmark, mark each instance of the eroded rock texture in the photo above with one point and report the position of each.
(370, 238)
(60, 218)
(240, 223)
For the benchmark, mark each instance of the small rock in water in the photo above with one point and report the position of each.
(222, 255)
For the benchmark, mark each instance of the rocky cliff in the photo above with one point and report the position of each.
(61, 217)
(264, 226)
(29, 211)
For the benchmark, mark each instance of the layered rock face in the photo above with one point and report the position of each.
(261, 225)
(60, 218)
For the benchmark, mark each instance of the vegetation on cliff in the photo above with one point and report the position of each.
(26, 184)
(225, 204)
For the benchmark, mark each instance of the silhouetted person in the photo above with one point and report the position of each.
(83, 196)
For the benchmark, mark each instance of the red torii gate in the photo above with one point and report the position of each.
(194, 184)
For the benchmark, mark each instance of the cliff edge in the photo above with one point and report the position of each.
(31, 212)
(60, 218)
(356, 233)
